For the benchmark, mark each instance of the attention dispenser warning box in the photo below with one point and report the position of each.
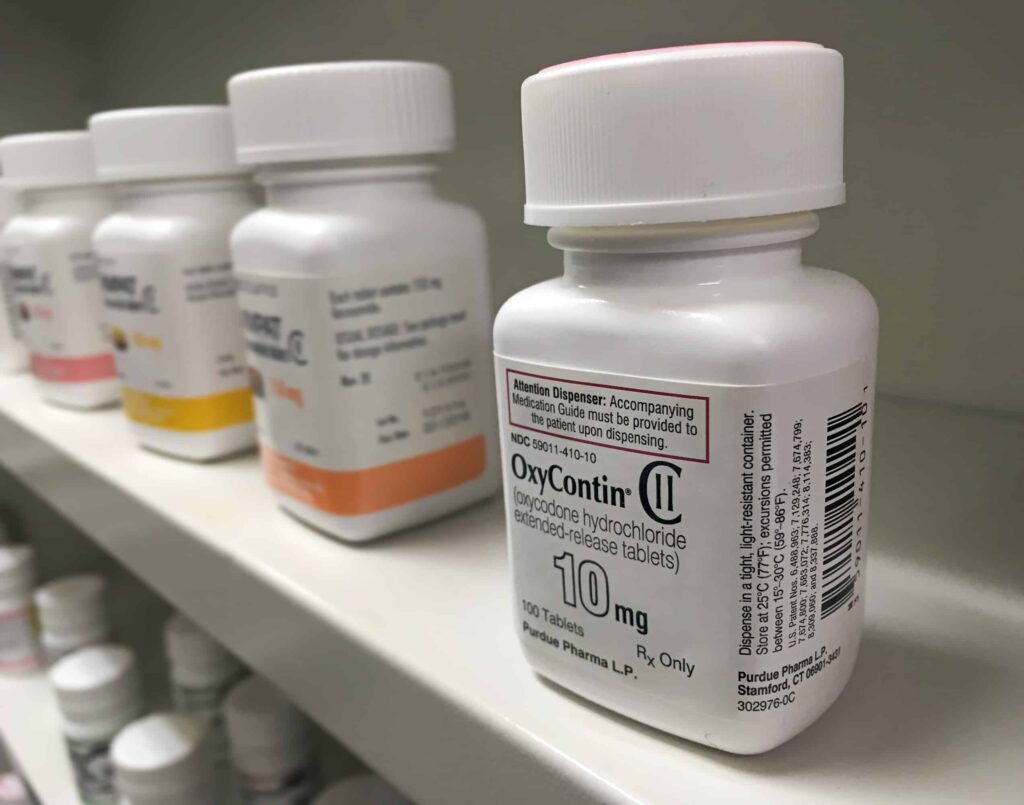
(653, 423)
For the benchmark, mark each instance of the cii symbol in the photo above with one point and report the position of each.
(658, 483)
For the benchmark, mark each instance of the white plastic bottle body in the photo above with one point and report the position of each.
(13, 356)
(72, 615)
(201, 674)
(19, 632)
(20, 651)
(679, 579)
(365, 303)
(169, 293)
(53, 273)
(272, 755)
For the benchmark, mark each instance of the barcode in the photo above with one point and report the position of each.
(841, 502)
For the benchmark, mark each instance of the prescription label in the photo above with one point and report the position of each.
(370, 393)
(174, 326)
(59, 311)
(686, 546)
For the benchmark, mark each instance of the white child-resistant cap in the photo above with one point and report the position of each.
(165, 758)
(342, 110)
(51, 159)
(74, 606)
(266, 733)
(17, 571)
(96, 683)
(163, 142)
(362, 789)
(195, 657)
(695, 133)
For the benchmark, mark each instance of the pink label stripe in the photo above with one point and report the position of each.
(33, 661)
(83, 369)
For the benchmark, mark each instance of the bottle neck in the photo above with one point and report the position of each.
(63, 200)
(709, 253)
(194, 195)
(344, 182)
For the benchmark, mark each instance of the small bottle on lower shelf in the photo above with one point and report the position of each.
(165, 759)
(72, 614)
(13, 357)
(271, 747)
(19, 646)
(98, 693)
(201, 673)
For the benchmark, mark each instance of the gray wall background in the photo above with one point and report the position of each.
(49, 72)
(935, 129)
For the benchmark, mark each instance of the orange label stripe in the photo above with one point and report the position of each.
(352, 492)
(189, 414)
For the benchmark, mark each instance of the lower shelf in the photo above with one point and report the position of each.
(30, 725)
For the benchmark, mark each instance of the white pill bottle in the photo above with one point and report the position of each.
(20, 651)
(168, 286)
(98, 693)
(365, 298)
(686, 412)
(13, 357)
(201, 672)
(270, 746)
(72, 614)
(52, 268)
(165, 759)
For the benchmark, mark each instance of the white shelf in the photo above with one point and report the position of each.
(404, 649)
(30, 725)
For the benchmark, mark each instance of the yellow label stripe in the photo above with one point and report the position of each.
(190, 414)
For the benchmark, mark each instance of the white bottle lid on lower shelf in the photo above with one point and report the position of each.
(165, 758)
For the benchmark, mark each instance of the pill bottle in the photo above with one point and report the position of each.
(165, 269)
(98, 694)
(48, 253)
(72, 614)
(164, 759)
(271, 747)
(362, 789)
(686, 412)
(365, 298)
(201, 673)
(19, 644)
(13, 357)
